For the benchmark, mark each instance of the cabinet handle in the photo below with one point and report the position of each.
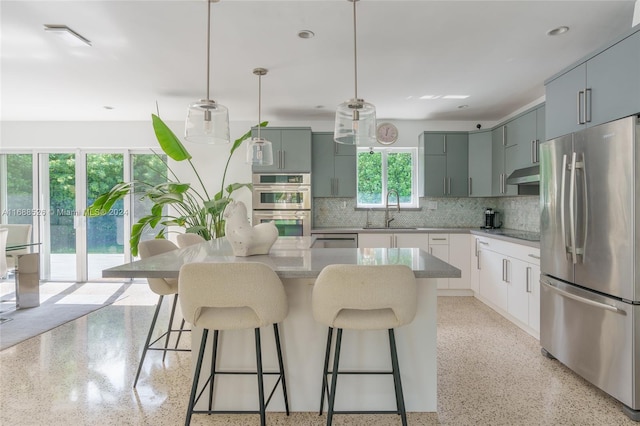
(438, 239)
(505, 278)
(534, 256)
(483, 242)
(444, 144)
(533, 151)
(587, 105)
(580, 109)
(504, 135)
(470, 186)
(430, 250)
(449, 187)
(528, 279)
(444, 186)
(476, 247)
(537, 151)
(478, 260)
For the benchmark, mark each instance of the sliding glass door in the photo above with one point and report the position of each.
(73, 247)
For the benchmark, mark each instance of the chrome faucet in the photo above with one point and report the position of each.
(388, 220)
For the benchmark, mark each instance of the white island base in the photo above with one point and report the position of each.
(303, 345)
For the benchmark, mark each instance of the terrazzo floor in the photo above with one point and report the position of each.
(489, 373)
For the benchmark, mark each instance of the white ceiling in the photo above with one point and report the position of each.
(497, 52)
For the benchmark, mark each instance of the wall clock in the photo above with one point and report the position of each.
(387, 133)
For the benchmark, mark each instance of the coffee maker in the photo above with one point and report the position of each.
(491, 219)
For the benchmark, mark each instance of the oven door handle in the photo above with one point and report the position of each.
(281, 188)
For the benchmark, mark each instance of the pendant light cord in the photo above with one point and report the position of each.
(208, 43)
(355, 51)
(259, 102)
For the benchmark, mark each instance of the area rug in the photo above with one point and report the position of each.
(70, 303)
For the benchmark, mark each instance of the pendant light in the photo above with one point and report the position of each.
(259, 150)
(207, 121)
(355, 118)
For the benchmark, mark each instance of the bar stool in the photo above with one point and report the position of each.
(162, 287)
(232, 296)
(188, 239)
(363, 297)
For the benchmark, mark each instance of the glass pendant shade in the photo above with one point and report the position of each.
(355, 123)
(259, 152)
(207, 122)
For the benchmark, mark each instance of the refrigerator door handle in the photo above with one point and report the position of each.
(572, 217)
(563, 185)
(583, 299)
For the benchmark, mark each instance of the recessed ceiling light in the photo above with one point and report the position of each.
(430, 96)
(455, 96)
(463, 106)
(69, 36)
(557, 31)
(108, 107)
(306, 34)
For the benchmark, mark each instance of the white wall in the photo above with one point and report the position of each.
(636, 14)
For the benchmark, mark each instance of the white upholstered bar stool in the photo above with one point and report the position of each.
(363, 297)
(232, 296)
(162, 287)
(188, 239)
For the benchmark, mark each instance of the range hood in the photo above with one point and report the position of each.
(526, 176)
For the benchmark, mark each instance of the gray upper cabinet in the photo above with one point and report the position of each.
(291, 149)
(526, 132)
(445, 163)
(603, 88)
(480, 161)
(501, 153)
(333, 167)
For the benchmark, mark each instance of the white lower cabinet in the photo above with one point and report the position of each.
(508, 278)
(451, 248)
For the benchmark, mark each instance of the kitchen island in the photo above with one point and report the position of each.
(303, 340)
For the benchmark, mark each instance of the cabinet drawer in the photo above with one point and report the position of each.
(436, 239)
(517, 251)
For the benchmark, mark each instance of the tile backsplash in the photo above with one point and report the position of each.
(522, 213)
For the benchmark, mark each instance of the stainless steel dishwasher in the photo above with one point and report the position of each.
(338, 240)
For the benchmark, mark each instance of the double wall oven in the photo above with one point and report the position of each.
(285, 200)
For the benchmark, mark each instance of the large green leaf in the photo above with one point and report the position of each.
(168, 141)
(236, 186)
(104, 202)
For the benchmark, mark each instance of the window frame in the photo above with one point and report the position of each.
(385, 151)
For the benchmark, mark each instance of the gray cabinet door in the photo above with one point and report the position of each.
(435, 173)
(480, 164)
(614, 79)
(457, 164)
(296, 150)
(562, 102)
(497, 160)
(322, 165)
(291, 150)
(521, 136)
(540, 126)
(345, 175)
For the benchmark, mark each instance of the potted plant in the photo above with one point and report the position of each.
(192, 206)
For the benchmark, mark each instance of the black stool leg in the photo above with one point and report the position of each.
(325, 371)
(334, 377)
(196, 377)
(146, 343)
(396, 377)
(214, 356)
(281, 364)
(173, 311)
(263, 420)
(179, 333)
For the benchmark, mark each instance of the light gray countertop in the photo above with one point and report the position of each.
(526, 238)
(290, 257)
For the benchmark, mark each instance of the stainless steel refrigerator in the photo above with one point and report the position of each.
(590, 256)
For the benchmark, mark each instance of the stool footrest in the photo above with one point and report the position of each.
(361, 372)
(367, 412)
